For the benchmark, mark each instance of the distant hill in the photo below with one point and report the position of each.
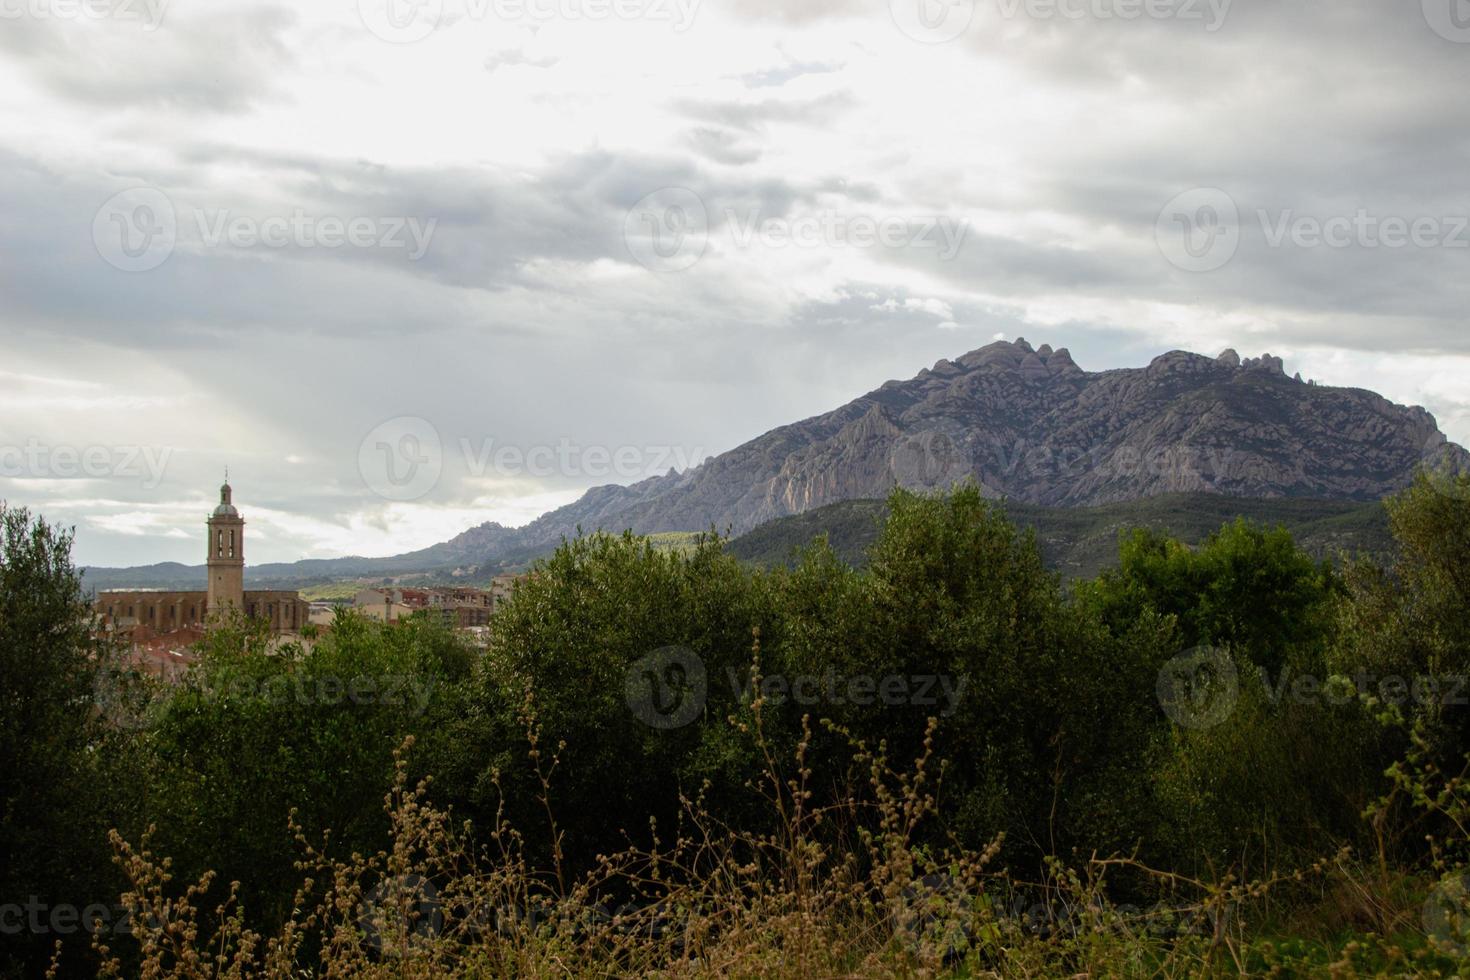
(1081, 541)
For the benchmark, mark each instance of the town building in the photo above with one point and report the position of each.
(458, 606)
(153, 612)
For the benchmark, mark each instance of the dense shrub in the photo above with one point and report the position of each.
(666, 726)
(258, 731)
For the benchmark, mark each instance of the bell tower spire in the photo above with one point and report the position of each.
(225, 557)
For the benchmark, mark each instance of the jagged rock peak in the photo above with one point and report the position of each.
(1033, 367)
(1265, 362)
(1179, 362)
(945, 367)
(1061, 364)
(1229, 358)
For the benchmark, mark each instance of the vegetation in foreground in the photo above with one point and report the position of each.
(1225, 759)
(1082, 542)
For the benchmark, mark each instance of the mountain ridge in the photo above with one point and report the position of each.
(1024, 423)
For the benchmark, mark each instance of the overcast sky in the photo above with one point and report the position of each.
(408, 268)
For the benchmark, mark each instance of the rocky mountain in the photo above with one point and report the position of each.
(1031, 425)
(1025, 424)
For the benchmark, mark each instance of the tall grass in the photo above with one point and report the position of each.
(840, 890)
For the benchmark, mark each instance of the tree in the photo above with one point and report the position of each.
(1046, 714)
(627, 654)
(259, 729)
(1245, 587)
(1409, 625)
(51, 849)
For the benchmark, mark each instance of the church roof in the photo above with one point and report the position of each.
(225, 508)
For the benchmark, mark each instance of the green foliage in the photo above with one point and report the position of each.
(1415, 617)
(51, 806)
(260, 729)
(1048, 710)
(1081, 542)
(571, 635)
(1281, 779)
(1247, 588)
(1035, 710)
(1405, 631)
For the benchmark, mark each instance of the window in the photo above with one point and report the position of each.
(219, 544)
(232, 543)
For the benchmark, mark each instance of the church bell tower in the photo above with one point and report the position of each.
(226, 557)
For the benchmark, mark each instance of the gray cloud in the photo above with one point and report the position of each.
(196, 62)
(528, 321)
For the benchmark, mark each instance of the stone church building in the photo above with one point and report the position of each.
(162, 612)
